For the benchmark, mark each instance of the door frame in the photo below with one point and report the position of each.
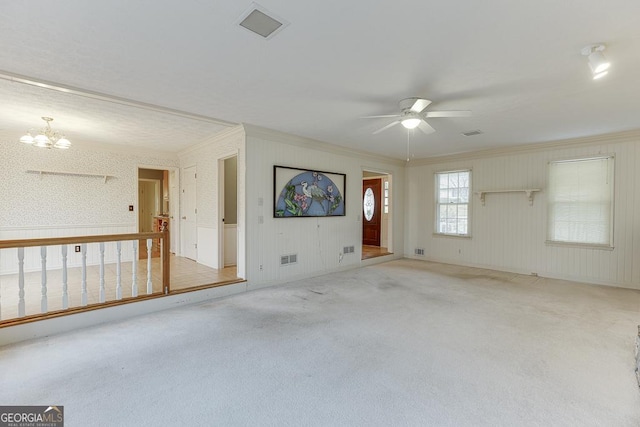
(385, 175)
(180, 190)
(173, 204)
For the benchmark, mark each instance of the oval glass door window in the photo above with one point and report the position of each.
(368, 204)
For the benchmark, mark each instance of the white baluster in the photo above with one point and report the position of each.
(102, 292)
(84, 274)
(65, 293)
(21, 309)
(118, 271)
(149, 284)
(43, 258)
(134, 272)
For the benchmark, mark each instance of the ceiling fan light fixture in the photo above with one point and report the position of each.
(411, 123)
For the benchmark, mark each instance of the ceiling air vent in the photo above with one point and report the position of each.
(472, 133)
(258, 20)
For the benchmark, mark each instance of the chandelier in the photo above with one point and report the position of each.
(47, 137)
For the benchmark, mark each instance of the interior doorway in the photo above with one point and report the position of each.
(228, 211)
(155, 206)
(376, 214)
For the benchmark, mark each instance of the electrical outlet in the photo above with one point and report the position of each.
(130, 208)
(77, 248)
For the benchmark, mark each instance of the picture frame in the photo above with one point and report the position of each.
(300, 193)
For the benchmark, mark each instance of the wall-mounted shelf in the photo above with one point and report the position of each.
(529, 192)
(47, 172)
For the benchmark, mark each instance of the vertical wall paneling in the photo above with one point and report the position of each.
(509, 234)
(317, 242)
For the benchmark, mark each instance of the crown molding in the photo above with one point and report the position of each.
(304, 142)
(219, 136)
(608, 138)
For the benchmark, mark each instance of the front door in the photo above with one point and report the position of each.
(371, 208)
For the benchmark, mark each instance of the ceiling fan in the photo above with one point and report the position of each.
(412, 115)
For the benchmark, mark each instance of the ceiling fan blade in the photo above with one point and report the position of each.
(379, 117)
(387, 127)
(420, 105)
(426, 127)
(461, 113)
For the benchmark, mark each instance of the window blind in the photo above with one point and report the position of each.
(580, 201)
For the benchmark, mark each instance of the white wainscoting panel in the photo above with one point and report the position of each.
(230, 244)
(208, 246)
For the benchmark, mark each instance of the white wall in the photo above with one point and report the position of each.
(508, 234)
(205, 157)
(317, 241)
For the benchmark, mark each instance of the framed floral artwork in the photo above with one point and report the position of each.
(307, 193)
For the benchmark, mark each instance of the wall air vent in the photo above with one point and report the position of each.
(472, 132)
(259, 21)
(288, 259)
(419, 251)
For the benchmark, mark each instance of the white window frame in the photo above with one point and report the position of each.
(611, 177)
(438, 204)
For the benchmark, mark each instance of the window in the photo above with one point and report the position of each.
(452, 202)
(581, 201)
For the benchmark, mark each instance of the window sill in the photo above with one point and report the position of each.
(455, 236)
(579, 245)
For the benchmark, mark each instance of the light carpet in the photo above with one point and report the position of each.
(400, 343)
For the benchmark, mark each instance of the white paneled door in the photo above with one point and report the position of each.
(188, 214)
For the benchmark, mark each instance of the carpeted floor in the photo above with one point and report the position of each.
(400, 343)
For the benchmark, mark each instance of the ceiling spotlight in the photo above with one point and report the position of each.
(411, 123)
(597, 62)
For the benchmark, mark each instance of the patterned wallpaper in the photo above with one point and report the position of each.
(32, 200)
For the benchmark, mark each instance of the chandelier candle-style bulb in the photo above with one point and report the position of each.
(27, 139)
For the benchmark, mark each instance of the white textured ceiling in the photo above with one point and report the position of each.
(516, 65)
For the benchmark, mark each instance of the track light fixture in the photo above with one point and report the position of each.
(597, 62)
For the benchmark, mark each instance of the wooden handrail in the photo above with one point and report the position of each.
(52, 241)
(163, 236)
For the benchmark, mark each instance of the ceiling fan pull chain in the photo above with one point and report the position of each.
(408, 132)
